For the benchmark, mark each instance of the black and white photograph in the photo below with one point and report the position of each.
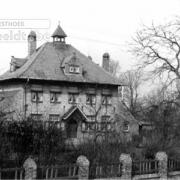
(90, 90)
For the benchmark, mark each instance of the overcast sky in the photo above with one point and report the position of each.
(92, 26)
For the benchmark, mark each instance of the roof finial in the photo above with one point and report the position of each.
(59, 23)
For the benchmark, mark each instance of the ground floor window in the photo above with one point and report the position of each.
(97, 126)
(36, 117)
(126, 126)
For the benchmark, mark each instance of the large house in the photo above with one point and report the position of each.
(57, 83)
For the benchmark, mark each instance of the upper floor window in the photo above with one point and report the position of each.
(91, 99)
(37, 96)
(74, 69)
(73, 97)
(55, 97)
(106, 99)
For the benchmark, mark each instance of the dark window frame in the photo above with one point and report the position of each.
(74, 96)
(105, 100)
(74, 69)
(90, 96)
(56, 97)
(36, 93)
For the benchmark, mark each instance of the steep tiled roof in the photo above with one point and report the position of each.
(59, 32)
(46, 64)
(71, 60)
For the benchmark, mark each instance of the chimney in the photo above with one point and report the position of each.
(31, 43)
(90, 58)
(106, 61)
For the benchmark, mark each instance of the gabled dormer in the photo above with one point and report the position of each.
(72, 65)
(59, 35)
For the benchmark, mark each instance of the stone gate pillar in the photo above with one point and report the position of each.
(30, 169)
(83, 165)
(126, 170)
(162, 164)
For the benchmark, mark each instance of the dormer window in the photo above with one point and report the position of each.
(71, 69)
(74, 69)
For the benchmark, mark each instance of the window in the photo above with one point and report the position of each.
(36, 117)
(126, 126)
(100, 126)
(53, 121)
(74, 69)
(90, 126)
(105, 118)
(55, 97)
(73, 98)
(91, 118)
(54, 117)
(106, 99)
(91, 99)
(71, 69)
(83, 126)
(37, 96)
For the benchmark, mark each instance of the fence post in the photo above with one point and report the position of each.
(30, 169)
(83, 167)
(126, 161)
(162, 164)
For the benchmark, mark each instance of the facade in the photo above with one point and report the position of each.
(56, 83)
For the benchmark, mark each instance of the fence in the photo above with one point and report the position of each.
(12, 173)
(105, 170)
(54, 172)
(173, 165)
(160, 168)
(144, 167)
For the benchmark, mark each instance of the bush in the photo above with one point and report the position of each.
(19, 139)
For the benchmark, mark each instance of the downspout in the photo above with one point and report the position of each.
(25, 100)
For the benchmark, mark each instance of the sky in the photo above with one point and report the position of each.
(92, 26)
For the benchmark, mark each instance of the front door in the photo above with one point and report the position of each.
(72, 127)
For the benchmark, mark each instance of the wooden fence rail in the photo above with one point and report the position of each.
(12, 173)
(144, 167)
(54, 172)
(173, 165)
(105, 170)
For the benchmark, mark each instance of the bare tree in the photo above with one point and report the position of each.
(162, 111)
(158, 47)
(132, 79)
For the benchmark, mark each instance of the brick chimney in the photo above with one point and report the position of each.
(31, 43)
(106, 61)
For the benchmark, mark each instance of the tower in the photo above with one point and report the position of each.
(59, 35)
